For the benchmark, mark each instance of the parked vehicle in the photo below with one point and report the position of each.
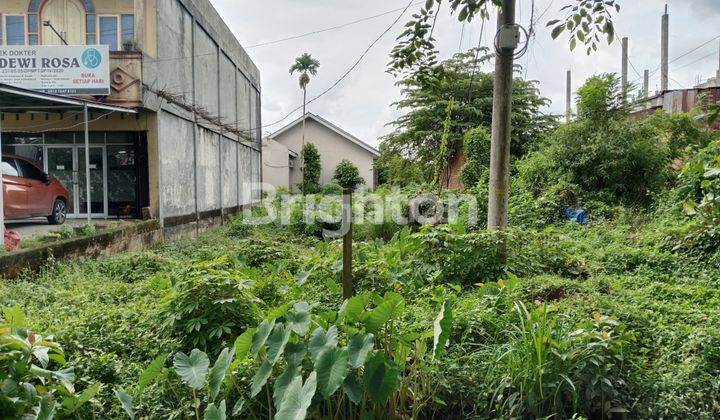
(30, 192)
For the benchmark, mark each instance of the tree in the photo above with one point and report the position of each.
(585, 20)
(311, 174)
(306, 66)
(348, 175)
(418, 132)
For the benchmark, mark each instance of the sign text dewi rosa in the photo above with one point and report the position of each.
(65, 70)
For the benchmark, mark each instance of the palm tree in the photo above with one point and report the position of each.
(306, 66)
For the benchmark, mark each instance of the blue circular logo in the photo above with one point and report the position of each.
(91, 58)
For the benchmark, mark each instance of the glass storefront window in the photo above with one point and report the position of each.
(122, 180)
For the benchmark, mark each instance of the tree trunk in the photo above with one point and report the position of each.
(302, 149)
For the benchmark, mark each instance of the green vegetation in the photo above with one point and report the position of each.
(347, 175)
(311, 170)
(616, 319)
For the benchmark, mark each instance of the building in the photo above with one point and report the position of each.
(281, 151)
(679, 100)
(191, 153)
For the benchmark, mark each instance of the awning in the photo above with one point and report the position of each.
(18, 101)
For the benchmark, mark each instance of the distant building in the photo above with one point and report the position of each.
(281, 152)
(194, 147)
(678, 101)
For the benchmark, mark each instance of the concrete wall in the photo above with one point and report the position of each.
(333, 149)
(177, 166)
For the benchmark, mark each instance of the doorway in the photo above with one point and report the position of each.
(68, 18)
(67, 164)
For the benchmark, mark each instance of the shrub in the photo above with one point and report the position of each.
(332, 189)
(476, 145)
(311, 171)
(347, 175)
(210, 305)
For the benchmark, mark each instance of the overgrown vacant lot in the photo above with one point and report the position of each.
(590, 320)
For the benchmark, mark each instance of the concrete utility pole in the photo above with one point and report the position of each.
(665, 47)
(646, 83)
(568, 97)
(624, 66)
(501, 128)
(717, 76)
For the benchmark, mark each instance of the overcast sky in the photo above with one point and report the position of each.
(362, 103)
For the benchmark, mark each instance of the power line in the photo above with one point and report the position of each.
(337, 82)
(332, 28)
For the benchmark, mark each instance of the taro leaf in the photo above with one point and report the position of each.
(352, 389)
(295, 353)
(151, 372)
(72, 403)
(299, 318)
(260, 378)
(381, 377)
(359, 347)
(281, 384)
(126, 402)
(65, 376)
(331, 367)
(243, 343)
(238, 408)
(213, 412)
(301, 277)
(41, 354)
(47, 408)
(192, 369)
(353, 308)
(277, 341)
(218, 371)
(261, 335)
(321, 340)
(297, 399)
(441, 329)
(390, 306)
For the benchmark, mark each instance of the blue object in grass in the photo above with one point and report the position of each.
(577, 215)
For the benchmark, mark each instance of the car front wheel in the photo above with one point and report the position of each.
(59, 213)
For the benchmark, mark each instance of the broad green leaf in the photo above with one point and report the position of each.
(557, 31)
(126, 402)
(151, 372)
(218, 371)
(192, 369)
(301, 277)
(331, 367)
(297, 399)
(238, 408)
(260, 378)
(41, 354)
(391, 305)
(441, 329)
(281, 384)
(381, 377)
(321, 340)
(277, 341)
(353, 308)
(299, 318)
(47, 408)
(352, 388)
(71, 404)
(213, 412)
(359, 347)
(243, 343)
(295, 353)
(14, 317)
(261, 335)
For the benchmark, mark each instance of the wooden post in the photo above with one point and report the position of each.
(625, 60)
(347, 283)
(568, 97)
(664, 51)
(501, 128)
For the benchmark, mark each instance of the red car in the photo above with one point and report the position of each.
(30, 192)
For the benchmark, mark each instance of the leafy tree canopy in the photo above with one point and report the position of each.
(426, 96)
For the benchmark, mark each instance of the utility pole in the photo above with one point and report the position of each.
(502, 109)
(646, 84)
(665, 47)
(624, 67)
(568, 97)
(717, 76)
(347, 282)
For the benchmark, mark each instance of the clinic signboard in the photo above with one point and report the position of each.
(57, 69)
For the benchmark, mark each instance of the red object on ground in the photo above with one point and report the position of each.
(12, 240)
